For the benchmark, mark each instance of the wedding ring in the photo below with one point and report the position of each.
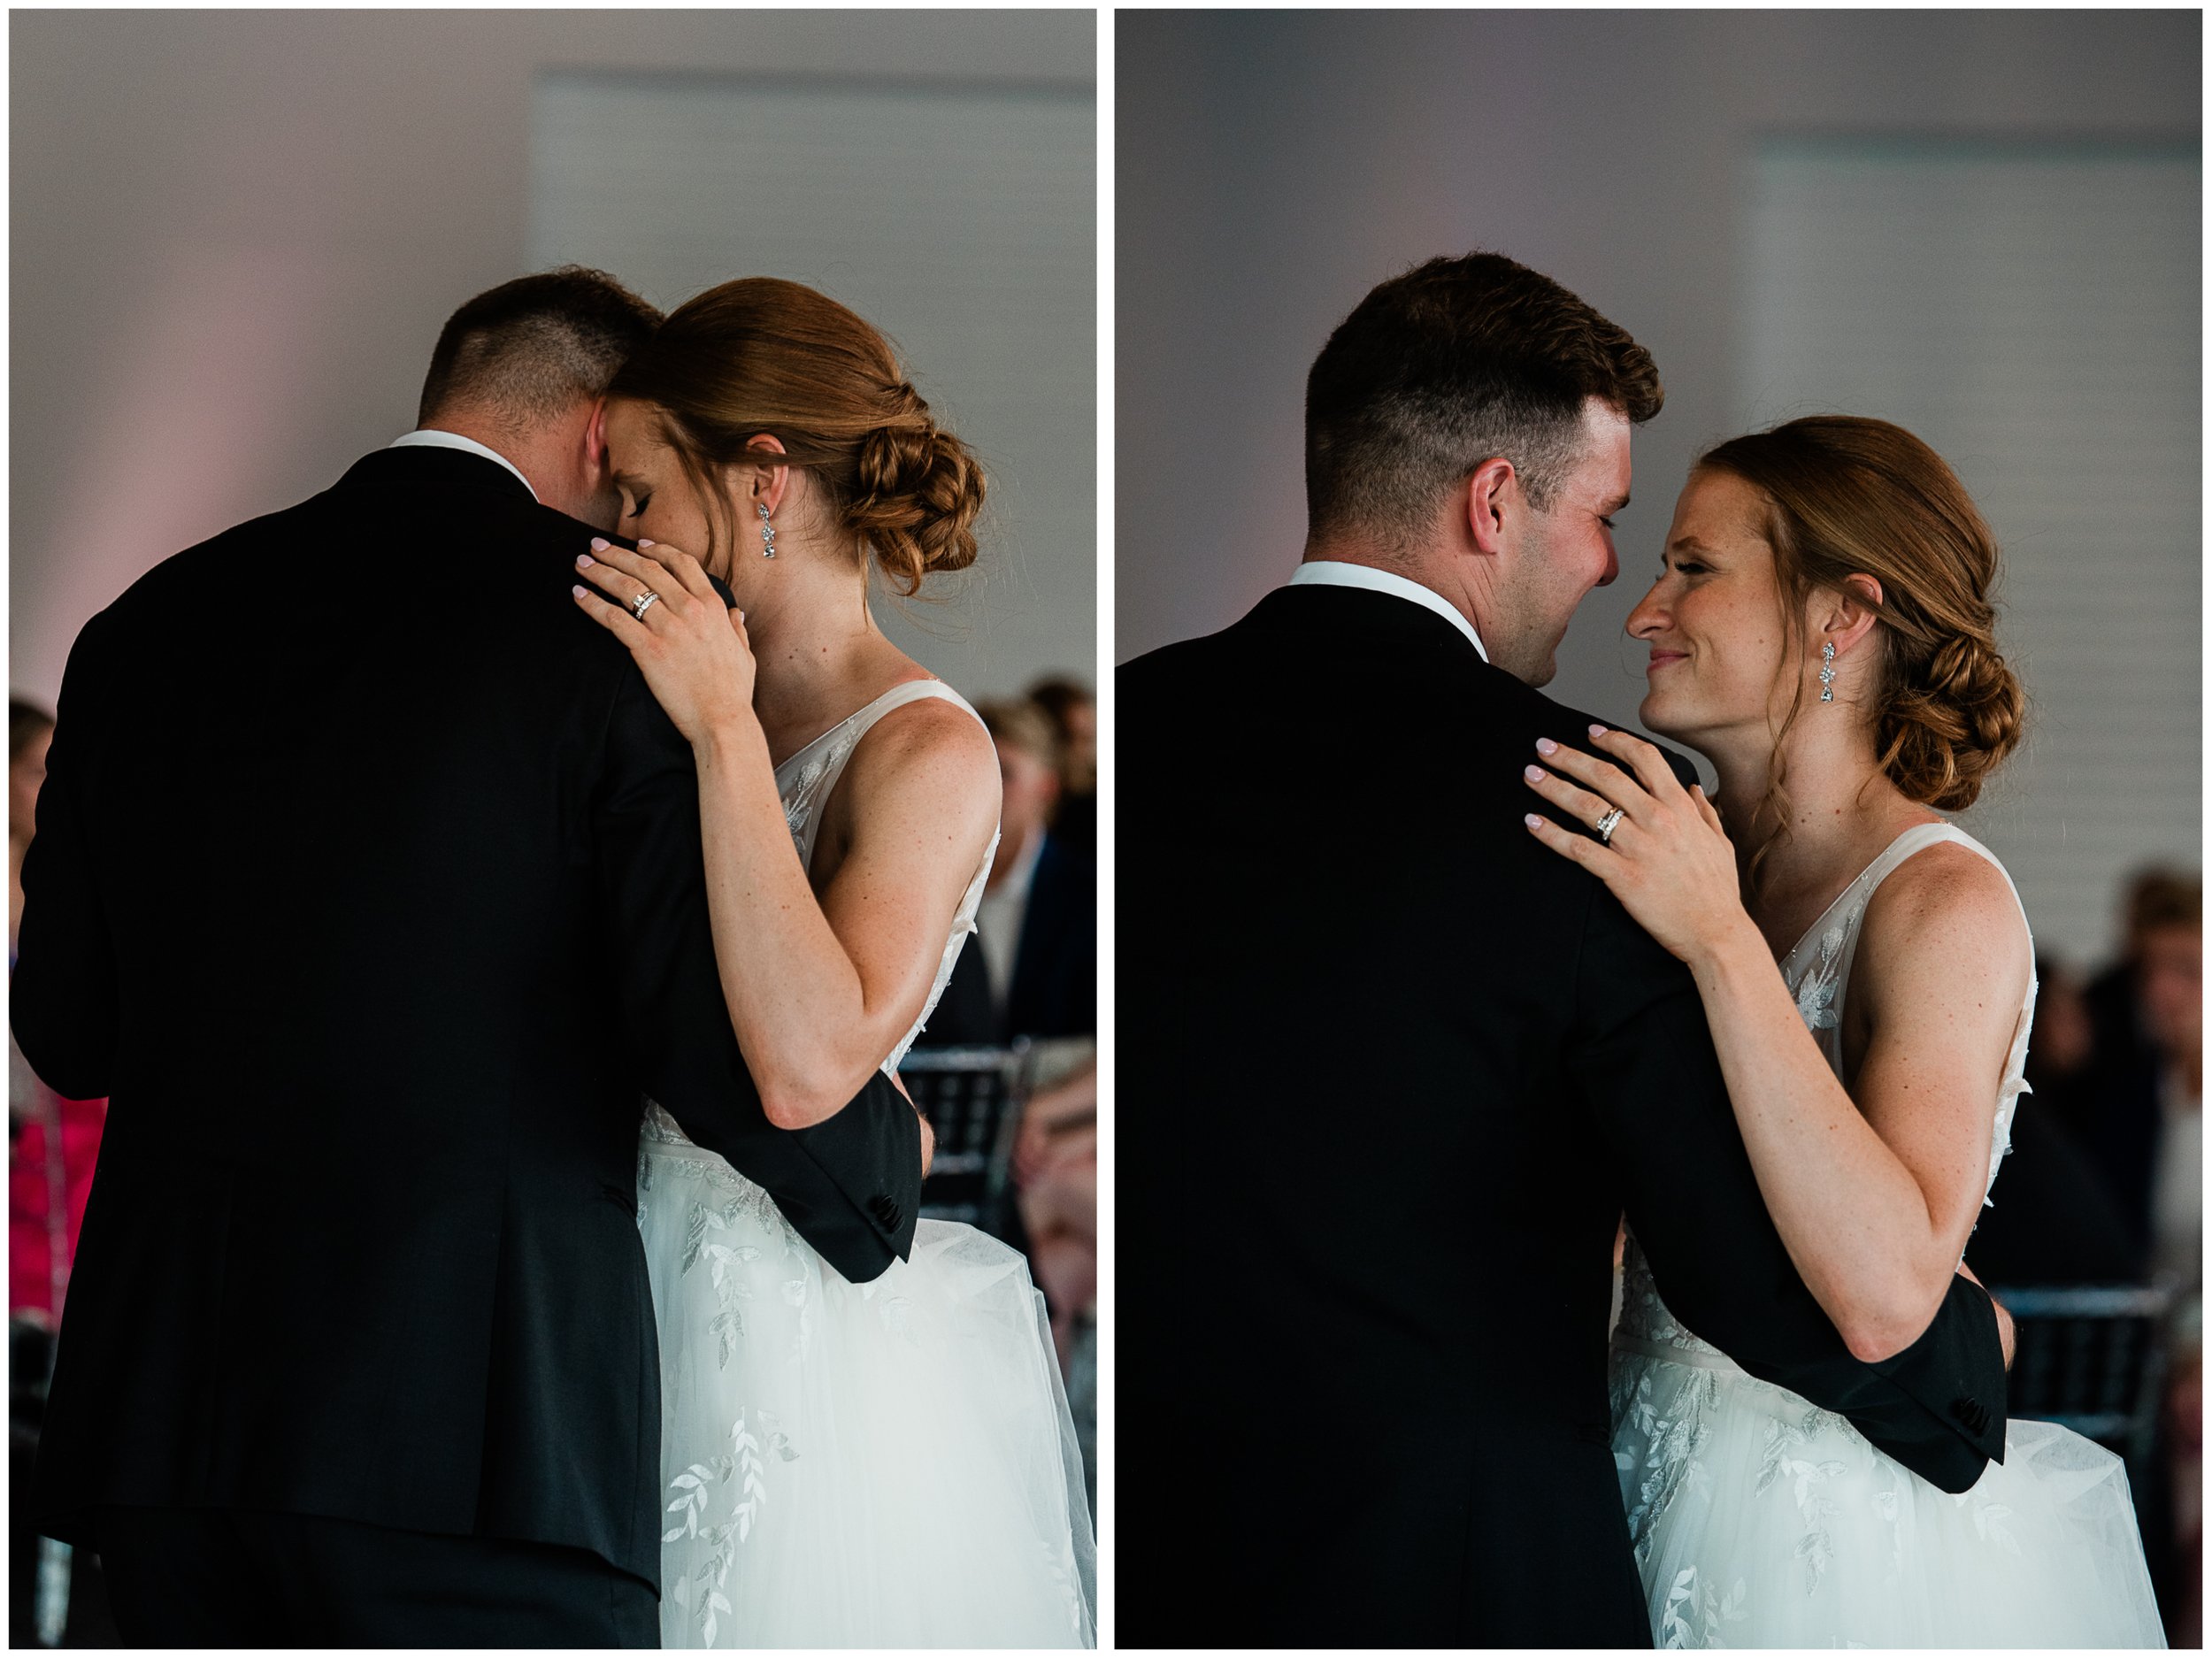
(643, 602)
(1609, 823)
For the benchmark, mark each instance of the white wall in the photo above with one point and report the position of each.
(234, 236)
(961, 217)
(1273, 167)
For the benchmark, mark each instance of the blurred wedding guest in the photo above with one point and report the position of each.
(2053, 1222)
(2137, 1109)
(1055, 1174)
(30, 733)
(52, 1143)
(2114, 1009)
(1056, 1166)
(1073, 711)
(1036, 974)
(2065, 1036)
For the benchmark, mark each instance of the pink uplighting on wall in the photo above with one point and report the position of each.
(201, 392)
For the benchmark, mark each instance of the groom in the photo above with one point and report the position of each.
(1400, 1069)
(374, 919)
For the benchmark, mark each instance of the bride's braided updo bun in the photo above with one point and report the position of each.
(1848, 495)
(919, 491)
(764, 355)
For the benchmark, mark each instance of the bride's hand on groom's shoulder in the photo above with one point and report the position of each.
(1666, 859)
(691, 648)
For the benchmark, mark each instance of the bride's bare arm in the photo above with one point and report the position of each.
(1875, 1196)
(1874, 1199)
(819, 989)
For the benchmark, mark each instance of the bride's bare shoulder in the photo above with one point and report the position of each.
(1945, 916)
(933, 755)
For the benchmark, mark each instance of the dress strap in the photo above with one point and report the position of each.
(858, 723)
(840, 739)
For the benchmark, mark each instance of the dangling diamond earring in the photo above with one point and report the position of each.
(1827, 667)
(768, 540)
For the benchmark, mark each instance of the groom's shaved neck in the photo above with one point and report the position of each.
(495, 429)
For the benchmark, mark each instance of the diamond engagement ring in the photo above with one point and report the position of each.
(1609, 823)
(643, 602)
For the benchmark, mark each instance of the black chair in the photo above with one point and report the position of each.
(2092, 1360)
(973, 1098)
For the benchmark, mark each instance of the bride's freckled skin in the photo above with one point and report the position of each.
(1713, 621)
(658, 501)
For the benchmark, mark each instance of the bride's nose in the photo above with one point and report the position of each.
(1649, 616)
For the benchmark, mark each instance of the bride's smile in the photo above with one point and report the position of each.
(1714, 621)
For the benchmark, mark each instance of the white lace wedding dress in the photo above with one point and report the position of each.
(883, 1464)
(1762, 1520)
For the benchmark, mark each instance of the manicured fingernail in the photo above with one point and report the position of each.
(1534, 774)
(643, 543)
(578, 592)
(1533, 821)
(599, 543)
(1545, 745)
(1597, 731)
(585, 561)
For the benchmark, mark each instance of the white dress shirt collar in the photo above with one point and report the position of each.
(430, 437)
(1330, 573)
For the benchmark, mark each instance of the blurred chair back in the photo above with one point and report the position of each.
(2092, 1360)
(973, 1099)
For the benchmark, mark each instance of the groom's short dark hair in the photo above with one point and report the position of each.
(527, 350)
(1455, 362)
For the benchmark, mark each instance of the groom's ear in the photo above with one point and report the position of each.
(1492, 490)
(595, 435)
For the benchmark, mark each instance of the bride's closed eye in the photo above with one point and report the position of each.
(644, 502)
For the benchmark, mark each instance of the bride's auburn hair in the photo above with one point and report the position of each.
(1848, 495)
(761, 355)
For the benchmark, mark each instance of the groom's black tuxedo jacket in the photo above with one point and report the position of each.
(1386, 1087)
(367, 885)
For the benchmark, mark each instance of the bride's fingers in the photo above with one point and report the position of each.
(597, 568)
(1601, 861)
(685, 568)
(1578, 803)
(1707, 809)
(616, 619)
(641, 572)
(622, 589)
(1643, 758)
(1618, 787)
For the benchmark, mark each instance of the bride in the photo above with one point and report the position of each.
(1821, 630)
(887, 1465)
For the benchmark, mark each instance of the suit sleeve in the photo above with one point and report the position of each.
(64, 996)
(1643, 1059)
(851, 1187)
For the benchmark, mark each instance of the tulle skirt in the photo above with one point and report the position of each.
(885, 1464)
(1760, 1521)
